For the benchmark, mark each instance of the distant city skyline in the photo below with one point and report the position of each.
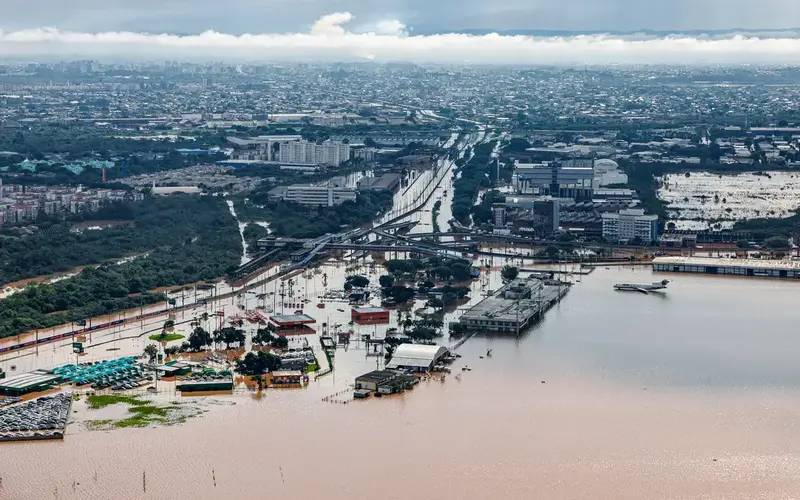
(528, 32)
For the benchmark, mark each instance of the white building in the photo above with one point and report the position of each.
(305, 194)
(416, 357)
(291, 149)
(606, 173)
(630, 224)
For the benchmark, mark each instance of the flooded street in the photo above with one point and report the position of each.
(613, 395)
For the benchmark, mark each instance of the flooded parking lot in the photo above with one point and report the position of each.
(706, 200)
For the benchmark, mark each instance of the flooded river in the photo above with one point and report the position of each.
(693, 393)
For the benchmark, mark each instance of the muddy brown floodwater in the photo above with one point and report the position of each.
(690, 394)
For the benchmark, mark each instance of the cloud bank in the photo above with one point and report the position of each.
(329, 39)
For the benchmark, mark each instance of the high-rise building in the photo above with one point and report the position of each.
(499, 214)
(630, 224)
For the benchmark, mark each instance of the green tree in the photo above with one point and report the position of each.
(777, 243)
(151, 351)
(509, 272)
(199, 339)
(386, 280)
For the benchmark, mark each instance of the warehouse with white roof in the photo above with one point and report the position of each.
(417, 357)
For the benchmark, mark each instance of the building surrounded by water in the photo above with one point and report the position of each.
(514, 307)
(774, 268)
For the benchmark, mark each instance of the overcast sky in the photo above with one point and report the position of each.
(404, 30)
(259, 16)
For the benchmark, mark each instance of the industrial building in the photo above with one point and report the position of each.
(205, 383)
(291, 324)
(629, 225)
(18, 385)
(384, 382)
(416, 357)
(561, 180)
(385, 182)
(783, 268)
(535, 215)
(369, 315)
(326, 195)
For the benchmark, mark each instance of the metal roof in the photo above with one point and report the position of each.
(25, 380)
(721, 262)
(291, 318)
(416, 355)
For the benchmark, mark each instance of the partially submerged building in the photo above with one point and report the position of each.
(384, 382)
(774, 268)
(514, 307)
(18, 385)
(416, 357)
(291, 324)
(369, 315)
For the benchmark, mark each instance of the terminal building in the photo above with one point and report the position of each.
(784, 268)
(514, 307)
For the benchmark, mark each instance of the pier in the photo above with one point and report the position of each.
(514, 307)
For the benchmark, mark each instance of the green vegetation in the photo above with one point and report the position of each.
(509, 273)
(199, 339)
(475, 175)
(77, 142)
(258, 363)
(424, 329)
(482, 212)
(299, 221)
(252, 233)
(355, 281)
(435, 215)
(765, 229)
(229, 336)
(139, 227)
(97, 401)
(440, 268)
(264, 336)
(386, 280)
(143, 412)
(208, 248)
(642, 179)
(165, 337)
(777, 243)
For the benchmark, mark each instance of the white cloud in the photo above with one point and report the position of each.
(390, 27)
(331, 24)
(389, 40)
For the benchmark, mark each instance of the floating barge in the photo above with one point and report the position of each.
(783, 268)
(514, 307)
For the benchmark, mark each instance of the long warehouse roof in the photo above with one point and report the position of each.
(722, 262)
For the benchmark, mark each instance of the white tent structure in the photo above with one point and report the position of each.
(416, 356)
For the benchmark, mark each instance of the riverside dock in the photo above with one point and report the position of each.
(514, 307)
